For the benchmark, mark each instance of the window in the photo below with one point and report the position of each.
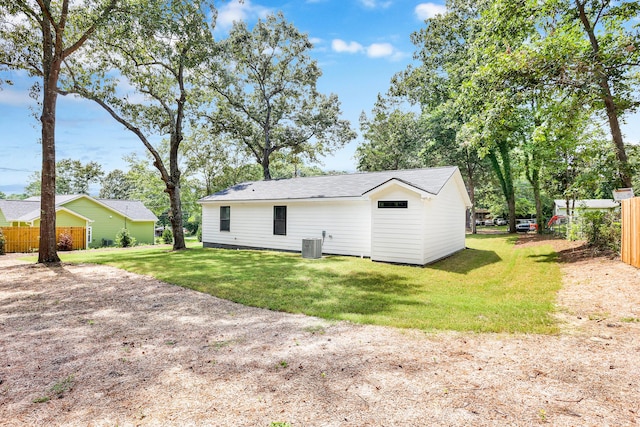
(280, 220)
(225, 218)
(392, 204)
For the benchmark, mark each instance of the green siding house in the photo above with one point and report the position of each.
(103, 218)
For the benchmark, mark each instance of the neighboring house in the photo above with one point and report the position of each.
(103, 218)
(581, 206)
(408, 216)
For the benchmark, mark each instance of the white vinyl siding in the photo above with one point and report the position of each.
(346, 225)
(397, 233)
(445, 222)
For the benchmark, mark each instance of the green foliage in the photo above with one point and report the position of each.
(2, 243)
(116, 185)
(505, 289)
(167, 236)
(65, 242)
(199, 233)
(602, 230)
(72, 177)
(393, 139)
(124, 239)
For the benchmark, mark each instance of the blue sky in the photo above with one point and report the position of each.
(359, 45)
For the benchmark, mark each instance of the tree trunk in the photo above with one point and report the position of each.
(51, 62)
(175, 217)
(502, 168)
(47, 252)
(472, 196)
(265, 167)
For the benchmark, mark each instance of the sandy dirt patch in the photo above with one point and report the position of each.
(107, 347)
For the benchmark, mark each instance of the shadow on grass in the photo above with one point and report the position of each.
(466, 261)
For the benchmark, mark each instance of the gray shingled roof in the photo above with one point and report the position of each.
(29, 209)
(331, 186)
(16, 210)
(589, 204)
(133, 209)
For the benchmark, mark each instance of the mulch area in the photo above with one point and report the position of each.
(93, 345)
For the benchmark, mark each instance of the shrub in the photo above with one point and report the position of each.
(167, 236)
(65, 242)
(124, 239)
(2, 242)
(602, 230)
(199, 234)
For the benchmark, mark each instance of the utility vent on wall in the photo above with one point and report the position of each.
(312, 248)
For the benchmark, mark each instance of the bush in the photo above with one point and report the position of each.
(65, 242)
(124, 239)
(167, 236)
(199, 234)
(2, 242)
(602, 230)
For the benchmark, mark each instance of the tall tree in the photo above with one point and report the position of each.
(160, 50)
(392, 139)
(39, 36)
(442, 84)
(268, 100)
(612, 54)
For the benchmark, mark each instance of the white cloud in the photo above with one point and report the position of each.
(341, 46)
(235, 11)
(375, 4)
(315, 40)
(15, 98)
(374, 50)
(380, 50)
(429, 10)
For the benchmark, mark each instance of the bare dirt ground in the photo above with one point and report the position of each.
(107, 347)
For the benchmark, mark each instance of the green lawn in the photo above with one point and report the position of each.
(492, 286)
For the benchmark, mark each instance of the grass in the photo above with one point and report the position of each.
(490, 287)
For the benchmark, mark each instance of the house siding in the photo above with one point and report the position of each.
(444, 222)
(107, 223)
(347, 225)
(67, 219)
(397, 233)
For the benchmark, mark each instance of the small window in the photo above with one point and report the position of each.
(280, 220)
(225, 218)
(392, 204)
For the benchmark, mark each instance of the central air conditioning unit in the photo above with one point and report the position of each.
(312, 248)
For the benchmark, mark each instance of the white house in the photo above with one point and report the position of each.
(409, 216)
(584, 205)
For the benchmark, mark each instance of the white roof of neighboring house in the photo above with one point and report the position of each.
(588, 204)
(429, 181)
(29, 209)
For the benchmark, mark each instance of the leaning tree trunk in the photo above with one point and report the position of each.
(608, 99)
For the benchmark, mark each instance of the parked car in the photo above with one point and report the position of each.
(500, 221)
(488, 222)
(526, 225)
(479, 222)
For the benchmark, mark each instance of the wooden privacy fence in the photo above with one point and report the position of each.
(631, 231)
(27, 239)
